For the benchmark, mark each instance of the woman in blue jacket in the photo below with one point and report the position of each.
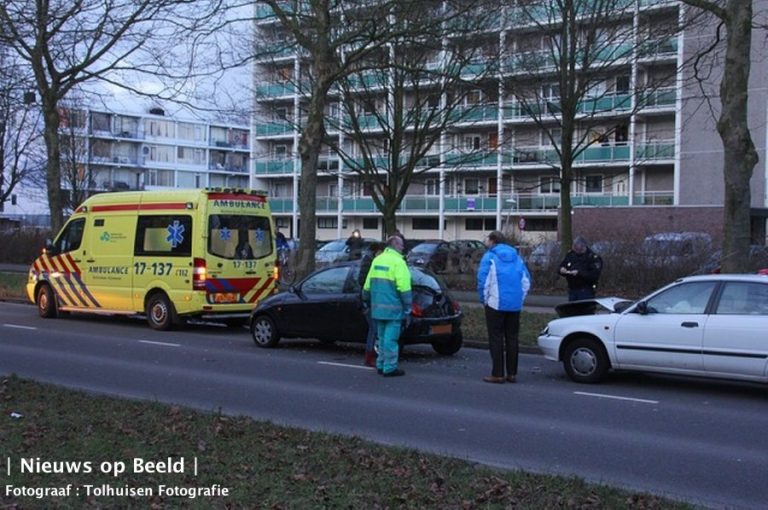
(502, 283)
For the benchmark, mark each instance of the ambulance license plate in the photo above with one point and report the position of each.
(442, 329)
(226, 297)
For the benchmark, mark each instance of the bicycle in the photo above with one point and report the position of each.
(286, 274)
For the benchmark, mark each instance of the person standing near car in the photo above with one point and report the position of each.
(502, 283)
(374, 250)
(355, 245)
(581, 268)
(387, 290)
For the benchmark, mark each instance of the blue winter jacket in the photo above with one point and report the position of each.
(502, 279)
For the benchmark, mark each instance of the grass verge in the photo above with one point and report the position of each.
(12, 285)
(531, 323)
(262, 465)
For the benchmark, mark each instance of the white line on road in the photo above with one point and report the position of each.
(614, 397)
(16, 326)
(158, 343)
(344, 365)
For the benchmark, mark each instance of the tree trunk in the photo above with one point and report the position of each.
(309, 150)
(740, 156)
(53, 165)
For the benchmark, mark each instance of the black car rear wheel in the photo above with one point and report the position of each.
(451, 346)
(264, 331)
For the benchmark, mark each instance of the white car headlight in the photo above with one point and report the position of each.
(544, 331)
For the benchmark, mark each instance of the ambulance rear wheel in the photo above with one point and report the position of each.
(46, 302)
(160, 312)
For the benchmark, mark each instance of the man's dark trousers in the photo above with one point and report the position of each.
(503, 330)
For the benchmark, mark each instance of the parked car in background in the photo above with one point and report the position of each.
(545, 255)
(433, 255)
(758, 259)
(670, 248)
(466, 253)
(327, 305)
(711, 326)
(338, 251)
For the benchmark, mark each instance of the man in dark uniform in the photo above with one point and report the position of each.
(581, 268)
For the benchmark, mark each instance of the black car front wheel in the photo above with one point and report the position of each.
(451, 346)
(264, 331)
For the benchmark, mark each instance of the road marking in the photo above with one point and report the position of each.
(17, 326)
(159, 343)
(614, 397)
(362, 367)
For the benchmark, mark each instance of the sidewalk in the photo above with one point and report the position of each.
(533, 302)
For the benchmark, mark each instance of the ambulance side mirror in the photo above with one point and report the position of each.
(49, 247)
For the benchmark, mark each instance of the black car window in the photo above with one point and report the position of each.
(330, 281)
(743, 298)
(686, 298)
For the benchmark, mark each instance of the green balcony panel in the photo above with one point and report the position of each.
(282, 166)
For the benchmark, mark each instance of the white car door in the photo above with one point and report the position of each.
(736, 336)
(669, 336)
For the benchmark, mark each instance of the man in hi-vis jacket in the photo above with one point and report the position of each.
(388, 290)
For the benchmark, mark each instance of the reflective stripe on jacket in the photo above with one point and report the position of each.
(388, 286)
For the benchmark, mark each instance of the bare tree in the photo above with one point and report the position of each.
(67, 43)
(398, 115)
(735, 17)
(19, 128)
(564, 80)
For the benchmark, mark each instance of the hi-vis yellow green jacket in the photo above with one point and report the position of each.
(388, 286)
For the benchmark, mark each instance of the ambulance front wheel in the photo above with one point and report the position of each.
(160, 312)
(46, 302)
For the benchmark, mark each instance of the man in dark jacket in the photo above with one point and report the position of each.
(581, 268)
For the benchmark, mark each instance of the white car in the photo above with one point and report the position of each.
(712, 326)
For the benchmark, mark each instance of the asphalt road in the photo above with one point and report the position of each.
(704, 442)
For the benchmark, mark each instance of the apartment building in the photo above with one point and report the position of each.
(121, 151)
(653, 149)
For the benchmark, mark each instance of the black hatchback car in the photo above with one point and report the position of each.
(327, 305)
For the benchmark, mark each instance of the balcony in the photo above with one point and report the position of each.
(274, 129)
(542, 155)
(274, 166)
(656, 48)
(481, 204)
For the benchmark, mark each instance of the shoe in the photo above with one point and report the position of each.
(511, 379)
(370, 359)
(493, 379)
(395, 373)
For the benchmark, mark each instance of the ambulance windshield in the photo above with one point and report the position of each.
(239, 237)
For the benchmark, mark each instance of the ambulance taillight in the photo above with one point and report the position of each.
(199, 272)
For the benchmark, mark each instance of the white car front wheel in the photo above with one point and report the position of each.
(585, 360)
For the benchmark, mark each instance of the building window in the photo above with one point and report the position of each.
(425, 223)
(548, 185)
(471, 142)
(327, 223)
(554, 134)
(281, 152)
(622, 134)
(593, 184)
(471, 186)
(370, 223)
(541, 224)
(622, 84)
(431, 187)
(480, 224)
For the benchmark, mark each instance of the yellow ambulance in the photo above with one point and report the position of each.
(166, 254)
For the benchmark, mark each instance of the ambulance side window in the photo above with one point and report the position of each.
(71, 237)
(166, 235)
